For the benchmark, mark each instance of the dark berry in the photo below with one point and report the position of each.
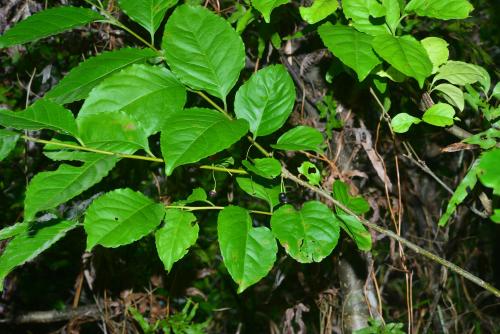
(212, 193)
(283, 198)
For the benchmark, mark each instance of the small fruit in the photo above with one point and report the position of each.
(212, 193)
(283, 198)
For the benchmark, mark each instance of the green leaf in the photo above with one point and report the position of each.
(148, 13)
(496, 91)
(319, 10)
(81, 79)
(30, 242)
(203, 50)
(174, 239)
(356, 231)
(267, 6)
(49, 189)
(361, 13)
(495, 217)
(268, 168)
(406, 54)
(452, 95)
(440, 9)
(148, 93)
(308, 235)
(46, 23)
(266, 100)
(114, 128)
(402, 122)
(42, 114)
(13, 230)
(8, 141)
(249, 252)
(352, 47)
(485, 139)
(459, 73)
(464, 188)
(270, 195)
(196, 133)
(311, 172)
(356, 204)
(440, 114)
(437, 50)
(121, 217)
(300, 138)
(489, 170)
(392, 13)
(197, 195)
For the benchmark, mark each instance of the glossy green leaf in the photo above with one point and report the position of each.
(440, 9)
(78, 83)
(8, 141)
(49, 189)
(174, 239)
(352, 47)
(30, 242)
(361, 13)
(148, 93)
(437, 50)
(406, 54)
(268, 168)
(440, 114)
(196, 133)
(452, 94)
(121, 217)
(267, 6)
(319, 10)
(249, 252)
(464, 188)
(392, 13)
(402, 122)
(270, 195)
(459, 73)
(489, 170)
(311, 172)
(266, 100)
(13, 230)
(46, 23)
(203, 50)
(148, 13)
(308, 235)
(300, 138)
(42, 114)
(104, 129)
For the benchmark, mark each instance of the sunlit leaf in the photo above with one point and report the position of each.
(402, 122)
(440, 9)
(440, 114)
(8, 141)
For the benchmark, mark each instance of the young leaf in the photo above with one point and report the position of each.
(203, 50)
(174, 239)
(197, 195)
(300, 138)
(311, 172)
(356, 231)
(489, 170)
(148, 93)
(121, 217)
(49, 189)
(361, 12)
(42, 114)
(352, 47)
(356, 204)
(148, 13)
(8, 141)
(46, 23)
(270, 195)
(459, 73)
(249, 252)
(440, 9)
(464, 188)
(30, 242)
(308, 235)
(437, 49)
(440, 114)
(113, 128)
(406, 54)
(267, 6)
(80, 80)
(266, 100)
(197, 133)
(452, 95)
(319, 10)
(402, 122)
(268, 168)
